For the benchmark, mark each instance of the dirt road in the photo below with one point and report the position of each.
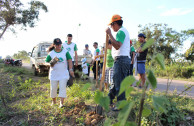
(162, 84)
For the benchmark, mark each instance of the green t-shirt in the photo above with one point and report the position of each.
(109, 59)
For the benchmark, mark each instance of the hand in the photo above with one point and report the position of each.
(131, 62)
(72, 73)
(108, 31)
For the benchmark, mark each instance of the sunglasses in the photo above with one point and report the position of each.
(112, 23)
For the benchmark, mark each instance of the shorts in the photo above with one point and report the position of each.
(109, 75)
(141, 67)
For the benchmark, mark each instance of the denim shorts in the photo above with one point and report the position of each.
(141, 67)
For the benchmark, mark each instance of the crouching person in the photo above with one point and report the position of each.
(58, 73)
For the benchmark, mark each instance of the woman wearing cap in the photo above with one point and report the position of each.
(58, 73)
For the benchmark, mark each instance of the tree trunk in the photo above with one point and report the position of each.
(1, 35)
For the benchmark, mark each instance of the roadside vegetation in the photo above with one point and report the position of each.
(25, 100)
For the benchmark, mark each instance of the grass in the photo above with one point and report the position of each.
(28, 102)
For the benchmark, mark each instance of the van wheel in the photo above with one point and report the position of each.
(35, 71)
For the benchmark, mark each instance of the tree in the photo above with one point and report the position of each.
(13, 12)
(189, 54)
(21, 55)
(166, 39)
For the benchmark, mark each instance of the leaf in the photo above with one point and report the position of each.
(130, 124)
(107, 122)
(148, 44)
(159, 103)
(104, 102)
(128, 91)
(126, 83)
(97, 97)
(146, 112)
(85, 87)
(124, 113)
(101, 100)
(122, 104)
(160, 59)
(152, 79)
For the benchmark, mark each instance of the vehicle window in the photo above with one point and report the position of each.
(35, 52)
(44, 49)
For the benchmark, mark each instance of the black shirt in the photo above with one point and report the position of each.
(142, 55)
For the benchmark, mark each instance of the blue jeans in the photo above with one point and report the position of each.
(120, 71)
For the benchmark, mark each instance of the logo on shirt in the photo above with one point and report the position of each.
(60, 59)
(68, 49)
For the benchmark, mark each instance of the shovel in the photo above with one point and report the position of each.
(99, 108)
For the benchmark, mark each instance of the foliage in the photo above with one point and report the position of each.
(13, 12)
(189, 54)
(166, 40)
(176, 70)
(21, 55)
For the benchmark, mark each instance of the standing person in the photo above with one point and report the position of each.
(132, 55)
(109, 67)
(96, 53)
(101, 61)
(141, 59)
(120, 53)
(58, 73)
(87, 52)
(72, 49)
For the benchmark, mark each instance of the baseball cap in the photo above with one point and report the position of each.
(141, 35)
(114, 18)
(57, 41)
(130, 42)
(86, 45)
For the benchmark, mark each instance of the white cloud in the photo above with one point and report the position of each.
(176, 12)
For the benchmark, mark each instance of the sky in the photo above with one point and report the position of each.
(64, 16)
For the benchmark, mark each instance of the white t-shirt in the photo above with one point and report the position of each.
(96, 50)
(86, 52)
(122, 36)
(59, 70)
(71, 48)
(85, 68)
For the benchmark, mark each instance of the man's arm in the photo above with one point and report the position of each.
(76, 59)
(115, 44)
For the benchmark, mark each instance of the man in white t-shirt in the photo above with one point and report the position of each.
(120, 54)
(72, 49)
(96, 53)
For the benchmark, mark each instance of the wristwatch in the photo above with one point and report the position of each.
(70, 69)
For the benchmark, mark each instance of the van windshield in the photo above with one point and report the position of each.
(44, 49)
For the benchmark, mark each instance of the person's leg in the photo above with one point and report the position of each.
(70, 81)
(62, 90)
(88, 71)
(131, 70)
(141, 71)
(121, 70)
(94, 70)
(53, 90)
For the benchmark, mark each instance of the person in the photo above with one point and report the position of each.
(96, 53)
(120, 53)
(132, 55)
(109, 67)
(58, 73)
(101, 61)
(141, 59)
(84, 67)
(87, 52)
(72, 49)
